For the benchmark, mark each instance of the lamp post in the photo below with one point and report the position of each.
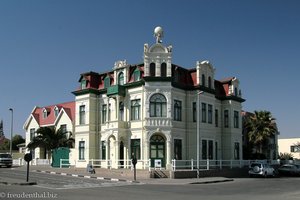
(198, 132)
(11, 130)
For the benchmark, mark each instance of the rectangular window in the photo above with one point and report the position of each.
(177, 149)
(236, 151)
(103, 150)
(121, 111)
(177, 110)
(216, 150)
(81, 114)
(194, 111)
(204, 149)
(32, 133)
(136, 148)
(204, 112)
(295, 149)
(216, 117)
(226, 118)
(104, 113)
(109, 112)
(236, 119)
(135, 109)
(81, 150)
(63, 128)
(210, 114)
(210, 149)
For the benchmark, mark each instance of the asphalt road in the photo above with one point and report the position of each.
(66, 187)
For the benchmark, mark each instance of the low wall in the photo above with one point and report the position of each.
(229, 173)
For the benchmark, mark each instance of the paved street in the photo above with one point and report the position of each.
(52, 186)
(53, 181)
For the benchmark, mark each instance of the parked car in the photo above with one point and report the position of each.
(261, 169)
(5, 160)
(289, 169)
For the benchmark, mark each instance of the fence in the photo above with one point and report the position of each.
(116, 164)
(216, 164)
(37, 161)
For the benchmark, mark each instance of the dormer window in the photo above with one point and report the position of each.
(152, 69)
(83, 84)
(203, 80)
(163, 70)
(209, 82)
(56, 111)
(136, 74)
(235, 91)
(45, 113)
(106, 82)
(121, 79)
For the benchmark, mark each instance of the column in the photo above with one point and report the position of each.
(169, 154)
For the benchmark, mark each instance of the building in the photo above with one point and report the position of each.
(58, 116)
(290, 146)
(149, 111)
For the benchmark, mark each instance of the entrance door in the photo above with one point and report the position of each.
(157, 150)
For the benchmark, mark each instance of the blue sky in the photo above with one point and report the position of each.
(46, 44)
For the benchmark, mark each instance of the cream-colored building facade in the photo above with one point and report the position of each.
(150, 111)
(290, 145)
(59, 116)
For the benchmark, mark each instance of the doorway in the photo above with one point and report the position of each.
(157, 150)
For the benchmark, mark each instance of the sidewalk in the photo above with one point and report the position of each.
(123, 175)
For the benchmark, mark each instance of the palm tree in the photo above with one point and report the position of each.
(260, 127)
(50, 139)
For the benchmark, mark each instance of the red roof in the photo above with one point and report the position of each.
(38, 113)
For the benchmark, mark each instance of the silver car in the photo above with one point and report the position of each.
(5, 160)
(261, 169)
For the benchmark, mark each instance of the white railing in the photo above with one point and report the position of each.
(163, 121)
(64, 162)
(117, 164)
(37, 161)
(215, 164)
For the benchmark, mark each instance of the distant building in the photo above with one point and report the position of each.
(290, 145)
(58, 116)
(149, 111)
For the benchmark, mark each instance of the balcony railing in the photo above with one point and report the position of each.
(158, 121)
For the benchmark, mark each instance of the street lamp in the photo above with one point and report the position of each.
(198, 132)
(11, 130)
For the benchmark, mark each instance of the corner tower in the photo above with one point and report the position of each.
(158, 58)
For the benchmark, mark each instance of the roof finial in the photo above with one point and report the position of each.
(158, 33)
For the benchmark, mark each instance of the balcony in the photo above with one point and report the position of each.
(116, 90)
(158, 121)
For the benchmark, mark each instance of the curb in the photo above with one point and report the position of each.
(23, 183)
(216, 181)
(86, 176)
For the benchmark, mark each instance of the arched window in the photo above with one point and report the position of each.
(163, 70)
(106, 82)
(136, 74)
(152, 69)
(121, 79)
(158, 106)
(203, 80)
(209, 82)
(177, 110)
